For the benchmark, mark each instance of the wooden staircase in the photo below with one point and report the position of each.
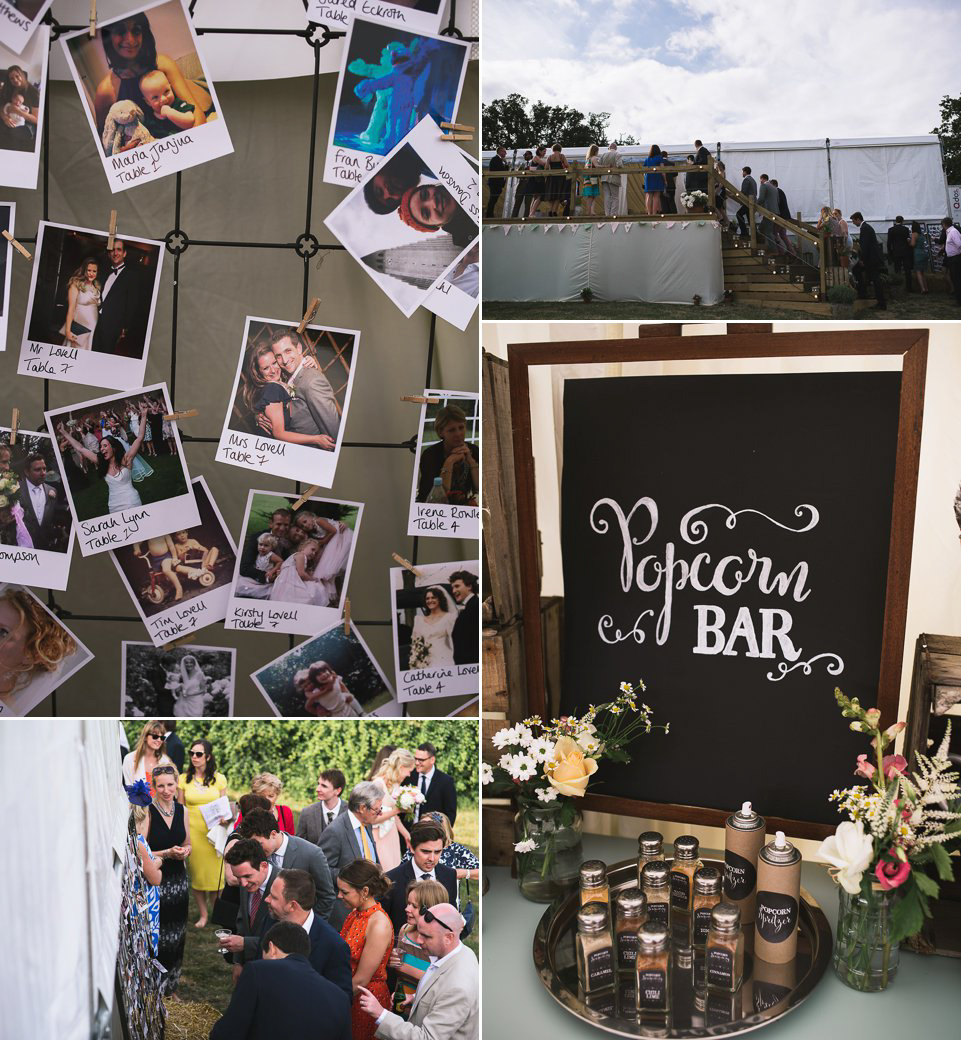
(752, 281)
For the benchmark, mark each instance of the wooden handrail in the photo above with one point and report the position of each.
(751, 202)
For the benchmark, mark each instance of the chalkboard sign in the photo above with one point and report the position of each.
(738, 542)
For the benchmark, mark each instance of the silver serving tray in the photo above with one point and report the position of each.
(767, 992)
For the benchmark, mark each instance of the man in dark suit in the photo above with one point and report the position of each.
(498, 164)
(351, 837)
(279, 528)
(290, 898)
(45, 512)
(124, 307)
(900, 251)
(282, 996)
(749, 188)
(329, 805)
(466, 633)
(255, 875)
(427, 843)
(173, 745)
(871, 262)
(287, 852)
(698, 181)
(437, 787)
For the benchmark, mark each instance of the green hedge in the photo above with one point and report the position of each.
(296, 750)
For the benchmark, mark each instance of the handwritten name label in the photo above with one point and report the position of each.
(443, 518)
(141, 162)
(251, 451)
(466, 194)
(21, 21)
(18, 556)
(353, 167)
(115, 529)
(262, 617)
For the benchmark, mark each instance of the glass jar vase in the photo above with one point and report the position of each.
(864, 956)
(551, 868)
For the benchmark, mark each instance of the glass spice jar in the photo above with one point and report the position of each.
(707, 894)
(650, 847)
(595, 950)
(685, 866)
(655, 884)
(724, 953)
(594, 886)
(630, 914)
(653, 970)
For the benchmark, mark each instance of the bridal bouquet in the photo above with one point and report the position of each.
(9, 489)
(419, 656)
(896, 836)
(408, 798)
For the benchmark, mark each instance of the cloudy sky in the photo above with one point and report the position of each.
(741, 70)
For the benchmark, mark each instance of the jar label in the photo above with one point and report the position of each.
(657, 912)
(680, 890)
(600, 968)
(627, 946)
(651, 990)
(720, 967)
(740, 876)
(776, 916)
(700, 925)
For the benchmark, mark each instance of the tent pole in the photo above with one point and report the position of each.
(827, 148)
(947, 189)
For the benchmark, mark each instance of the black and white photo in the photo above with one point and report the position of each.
(91, 307)
(177, 682)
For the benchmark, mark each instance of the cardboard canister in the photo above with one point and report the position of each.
(743, 839)
(778, 895)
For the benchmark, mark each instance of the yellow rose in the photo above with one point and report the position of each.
(572, 770)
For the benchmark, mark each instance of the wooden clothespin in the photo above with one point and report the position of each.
(407, 564)
(112, 231)
(458, 126)
(188, 413)
(93, 19)
(303, 498)
(421, 400)
(188, 638)
(346, 617)
(16, 245)
(310, 312)
(457, 137)
(14, 423)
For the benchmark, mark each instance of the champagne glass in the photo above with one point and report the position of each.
(222, 934)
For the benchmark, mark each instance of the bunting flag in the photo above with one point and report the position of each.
(507, 230)
(613, 227)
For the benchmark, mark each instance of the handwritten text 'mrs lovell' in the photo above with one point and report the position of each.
(668, 572)
(141, 162)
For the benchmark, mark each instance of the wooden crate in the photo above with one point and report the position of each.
(498, 832)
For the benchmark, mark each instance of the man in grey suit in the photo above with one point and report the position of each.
(748, 187)
(351, 836)
(254, 875)
(314, 405)
(446, 999)
(288, 853)
(767, 197)
(611, 185)
(329, 805)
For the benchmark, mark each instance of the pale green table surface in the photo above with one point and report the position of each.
(923, 1003)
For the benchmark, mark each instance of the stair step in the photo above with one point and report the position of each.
(785, 288)
(809, 306)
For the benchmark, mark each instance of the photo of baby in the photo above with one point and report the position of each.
(23, 75)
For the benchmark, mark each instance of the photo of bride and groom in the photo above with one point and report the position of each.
(438, 618)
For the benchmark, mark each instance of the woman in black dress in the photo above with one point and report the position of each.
(167, 839)
(155, 420)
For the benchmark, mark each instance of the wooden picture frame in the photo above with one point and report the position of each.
(908, 344)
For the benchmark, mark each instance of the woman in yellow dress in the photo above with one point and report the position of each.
(202, 784)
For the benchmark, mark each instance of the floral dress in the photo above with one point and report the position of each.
(151, 898)
(354, 932)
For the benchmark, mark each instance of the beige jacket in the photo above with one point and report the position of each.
(445, 1008)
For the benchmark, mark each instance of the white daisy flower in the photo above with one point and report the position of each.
(522, 767)
(502, 738)
(626, 687)
(525, 846)
(548, 794)
(540, 749)
(487, 774)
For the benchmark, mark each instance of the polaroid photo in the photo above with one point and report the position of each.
(290, 400)
(8, 212)
(91, 308)
(23, 87)
(180, 582)
(332, 675)
(36, 528)
(436, 619)
(126, 474)
(390, 79)
(455, 299)
(19, 20)
(293, 565)
(37, 653)
(148, 96)
(412, 221)
(419, 15)
(177, 682)
(444, 497)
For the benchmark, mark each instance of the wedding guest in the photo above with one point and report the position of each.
(919, 249)
(277, 529)
(409, 960)
(149, 753)
(451, 458)
(495, 185)
(270, 786)
(437, 787)
(231, 890)
(591, 185)
(167, 838)
(383, 753)
(871, 261)
(426, 845)
(83, 305)
(454, 855)
(522, 190)
(844, 238)
(466, 634)
(369, 934)
(173, 745)
(309, 383)
(15, 135)
(537, 187)
(150, 875)
(329, 805)
(255, 875)
(291, 897)
(285, 851)
(155, 423)
(748, 188)
(448, 1007)
(611, 183)
(653, 182)
(556, 185)
(282, 996)
(389, 829)
(121, 327)
(201, 785)
(45, 512)
(952, 255)
(430, 207)
(350, 835)
(287, 418)
(899, 236)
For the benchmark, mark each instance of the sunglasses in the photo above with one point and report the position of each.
(198, 754)
(156, 736)
(430, 918)
(161, 770)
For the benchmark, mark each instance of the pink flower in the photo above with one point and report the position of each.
(864, 768)
(872, 717)
(892, 874)
(894, 765)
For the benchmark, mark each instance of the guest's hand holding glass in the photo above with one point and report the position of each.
(231, 943)
(222, 935)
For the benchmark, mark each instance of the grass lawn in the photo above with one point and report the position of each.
(206, 976)
(167, 481)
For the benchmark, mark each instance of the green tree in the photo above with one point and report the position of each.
(950, 133)
(516, 122)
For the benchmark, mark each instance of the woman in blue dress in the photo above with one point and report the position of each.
(150, 874)
(654, 183)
